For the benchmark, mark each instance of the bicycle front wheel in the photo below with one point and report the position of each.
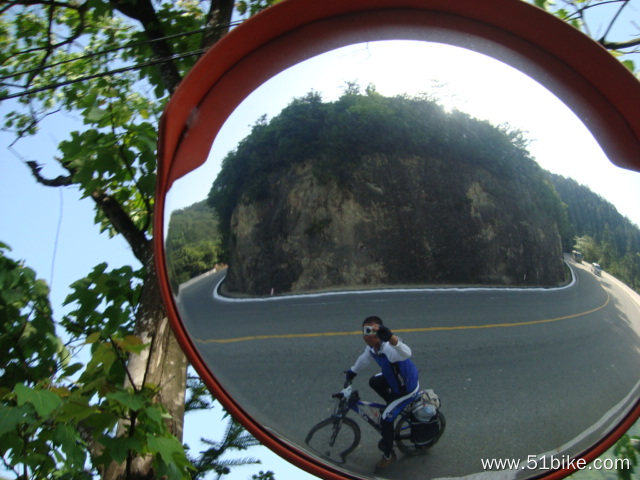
(334, 438)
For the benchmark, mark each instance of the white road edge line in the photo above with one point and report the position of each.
(221, 298)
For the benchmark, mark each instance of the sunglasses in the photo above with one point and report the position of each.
(368, 330)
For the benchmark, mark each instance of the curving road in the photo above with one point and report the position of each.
(520, 372)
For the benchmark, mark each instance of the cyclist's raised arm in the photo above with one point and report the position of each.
(400, 351)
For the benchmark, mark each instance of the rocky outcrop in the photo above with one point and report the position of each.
(394, 221)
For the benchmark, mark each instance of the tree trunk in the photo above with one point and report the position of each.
(163, 364)
(217, 23)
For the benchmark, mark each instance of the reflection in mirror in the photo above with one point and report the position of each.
(446, 193)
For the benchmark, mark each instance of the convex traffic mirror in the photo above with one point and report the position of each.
(433, 164)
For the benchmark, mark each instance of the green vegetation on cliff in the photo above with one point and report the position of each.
(471, 206)
(338, 135)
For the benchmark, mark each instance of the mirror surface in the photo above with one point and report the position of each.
(443, 191)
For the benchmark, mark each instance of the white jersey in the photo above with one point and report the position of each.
(398, 370)
(394, 354)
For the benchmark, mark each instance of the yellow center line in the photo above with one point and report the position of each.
(404, 330)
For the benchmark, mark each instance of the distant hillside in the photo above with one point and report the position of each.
(599, 231)
(590, 214)
(376, 191)
(193, 243)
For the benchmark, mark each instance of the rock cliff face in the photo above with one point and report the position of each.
(400, 221)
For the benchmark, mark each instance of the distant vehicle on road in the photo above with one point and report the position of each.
(596, 269)
(577, 256)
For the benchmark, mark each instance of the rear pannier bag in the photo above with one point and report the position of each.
(424, 417)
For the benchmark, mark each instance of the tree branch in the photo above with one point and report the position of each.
(620, 45)
(34, 121)
(59, 181)
(123, 362)
(613, 21)
(217, 21)
(579, 13)
(49, 3)
(143, 11)
(123, 224)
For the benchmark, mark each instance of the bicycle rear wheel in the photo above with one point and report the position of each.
(404, 439)
(334, 438)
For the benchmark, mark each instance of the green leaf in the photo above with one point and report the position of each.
(101, 420)
(118, 448)
(36, 461)
(131, 344)
(167, 447)
(101, 361)
(127, 399)
(69, 440)
(44, 401)
(10, 417)
(155, 414)
(75, 410)
(14, 443)
(93, 338)
(95, 115)
(630, 65)
(72, 369)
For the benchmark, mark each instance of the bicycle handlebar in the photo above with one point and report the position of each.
(344, 393)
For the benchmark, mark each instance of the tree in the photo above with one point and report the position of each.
(58, 416)
(112, 64)
(56, 413)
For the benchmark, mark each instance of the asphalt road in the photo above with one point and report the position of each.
(519, 372)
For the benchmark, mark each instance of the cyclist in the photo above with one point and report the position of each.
(397, 383)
